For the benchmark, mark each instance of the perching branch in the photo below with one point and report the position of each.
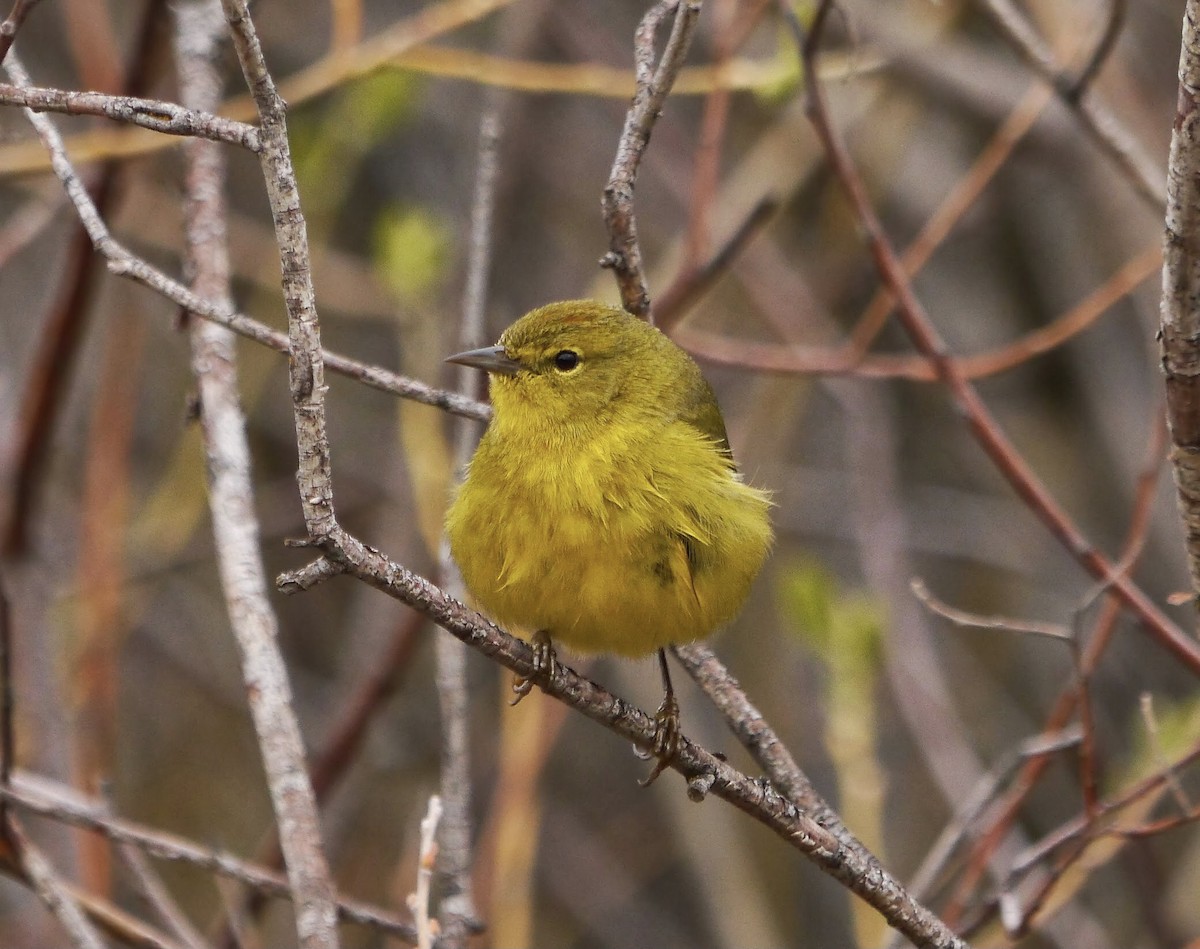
(706, 774)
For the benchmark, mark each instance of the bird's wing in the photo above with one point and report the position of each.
(700, 410)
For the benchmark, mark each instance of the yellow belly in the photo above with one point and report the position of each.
(591, 548)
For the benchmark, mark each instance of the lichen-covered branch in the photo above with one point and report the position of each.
(1179, 312)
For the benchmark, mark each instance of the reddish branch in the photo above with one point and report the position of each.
(12, 23)
(928, 341)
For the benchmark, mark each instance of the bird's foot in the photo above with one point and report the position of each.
(667, 735)
(543, 667)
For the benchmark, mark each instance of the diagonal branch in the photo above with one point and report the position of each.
(12, 23)
(706, 773)
(983, 425)
(1095, 118)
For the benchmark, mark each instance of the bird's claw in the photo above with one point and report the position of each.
(667, 735)
(542, 672)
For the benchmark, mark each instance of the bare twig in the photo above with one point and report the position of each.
(122, 262)
(758, 799)
(418, 902)
(153, 890)
(950, 211)
(1069, 699)
(456, 912)
(694, 281)
(1039, 746)
(45, 881)
(978, 621)
(1104, 46)
(58, 802)
(849, 361)
(1095, 118)
(150, 885)
(654, 83)
(12, 23)
(53, 365)
(760, 740)
(983, 426)
(235, 525)
(158, 116)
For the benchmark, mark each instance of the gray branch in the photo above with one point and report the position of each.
(165, 117)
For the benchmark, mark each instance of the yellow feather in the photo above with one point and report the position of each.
(602, 505)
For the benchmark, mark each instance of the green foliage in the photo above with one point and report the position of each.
(328, 143)
(844, 629)
(787, 70)
(377, 104)
(410, 248)
(1176, 727)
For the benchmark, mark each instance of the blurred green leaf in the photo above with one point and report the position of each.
(410, 251)
(843, 628)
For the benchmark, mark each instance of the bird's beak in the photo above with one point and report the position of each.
(490, 359)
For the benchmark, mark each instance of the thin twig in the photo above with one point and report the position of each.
(1068, 700)
(1112, 138)
(231, 503)
(760, 740)
(703, 770)
(456, 911)
(654, 83)
(848, 360)
(418, 902)
(122, 262)
(54, 893)
(979, 621)
(969, 810)
(1113, 24)
(731, 32)
(58, 802)
(12, 23)
(959, 199)
(692, 283)
(153, 890)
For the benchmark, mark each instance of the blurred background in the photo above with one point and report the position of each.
(127, 680)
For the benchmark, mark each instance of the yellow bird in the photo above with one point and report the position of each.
(602, 509)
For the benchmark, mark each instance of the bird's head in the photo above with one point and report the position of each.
(573, 363)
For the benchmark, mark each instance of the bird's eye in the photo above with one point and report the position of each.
(565, 360)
